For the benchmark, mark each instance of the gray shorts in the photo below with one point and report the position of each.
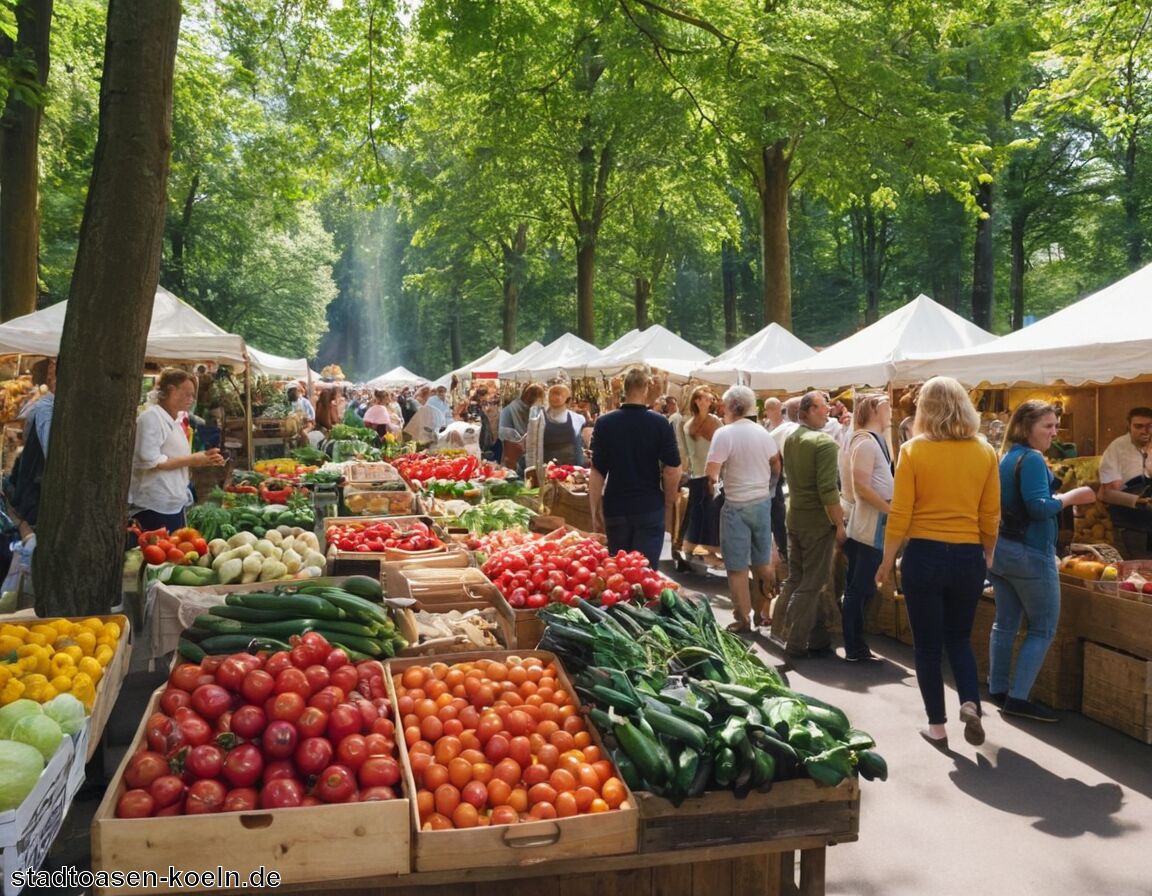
(746, 534)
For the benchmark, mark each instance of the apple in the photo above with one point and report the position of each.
(1147, 589)
(1128, 586)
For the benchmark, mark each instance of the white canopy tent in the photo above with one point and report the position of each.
(489, 361)
(870, 357)
(1104, 337)
(771, 347)
(178, 332)
(655, 346)
(516, 358)
(276, 367)
(395, 378)
(565, 355)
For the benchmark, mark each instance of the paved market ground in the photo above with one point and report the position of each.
(1037, 810)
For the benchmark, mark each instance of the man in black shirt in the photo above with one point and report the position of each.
(635, 476)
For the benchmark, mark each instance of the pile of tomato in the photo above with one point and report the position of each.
(420, 467)
(184, 546)
(376, 537)
(537, 573)
(293, 728)
(499, 742)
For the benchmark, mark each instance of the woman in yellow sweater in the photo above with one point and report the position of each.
(946, 510)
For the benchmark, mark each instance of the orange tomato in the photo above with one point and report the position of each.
(519, 722)
(435, 775)
(498, 792)
(459, 772)
(469, 739)
(520, 750)
(413, 676)
(546, 728)
(517, 675)
(438, 670)
(482, 772)
(598, 805)
(563, 781)
(447, 799)
(496, 671)
(548, 755)
(419, 762)
(535, 774)
(566, 805)
(543, 810)
(425, 804)
(468, 715)
(571, 762)
(587, 776)
(438, 822)
(472, 755)
(518, 799)
(541, 793)
(582, 739)
(508, 771)
(584, 797)
(436, 689)
(447, 749)
(604, 769)
(453, 727)
(431, 728)
(592, 753)
(613, 792)
(411, 735)
(504, 815)
(405, 705)
(465, 816)
(562, 741)
(426, 707)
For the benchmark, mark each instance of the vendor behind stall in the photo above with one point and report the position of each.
(158, 492)
(1126, 486)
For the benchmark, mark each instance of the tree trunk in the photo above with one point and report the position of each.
(982, 264)
(773, 189)
(1133, 226)
(109, 311)
(19, 167)
(642, 294)
(728, 279)
(179, 238)
(872, 250)
(513, 277)
(454, 347)
(585, 282)
(1019, 221)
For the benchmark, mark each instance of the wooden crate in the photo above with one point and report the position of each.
(529, 628)
(527, 843)
(357, 563)
(575, 508)
(315, 843)
(880, 613)
(791, 809)
(1118, 690)
(444, 590)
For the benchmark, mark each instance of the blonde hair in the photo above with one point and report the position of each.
(636, 378)
(866, 408)
(944, 411)
(554, 392)
(172, 378)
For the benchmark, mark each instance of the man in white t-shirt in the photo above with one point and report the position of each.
(1125, 474)
(747, 456)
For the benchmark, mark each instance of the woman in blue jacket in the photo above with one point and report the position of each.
(1023, 573)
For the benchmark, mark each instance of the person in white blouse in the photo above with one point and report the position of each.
(158, 492)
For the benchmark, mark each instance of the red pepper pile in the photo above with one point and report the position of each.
(421, 467)
(183, 546)
(275, 491)
(533, 575)
(244, 732)
(566, 471)
(376, 537)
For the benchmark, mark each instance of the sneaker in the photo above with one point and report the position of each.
(1026, 709)
(866, 657)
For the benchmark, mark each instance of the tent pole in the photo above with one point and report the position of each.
(248, 412)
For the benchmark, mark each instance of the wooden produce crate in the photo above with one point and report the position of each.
(527, 844)
(28, 831)
(446, 589)
(307, 844)
(881, 612)
(574, 507)
(529, 628)
(790, 810)
(1118, 690)
(350, 563)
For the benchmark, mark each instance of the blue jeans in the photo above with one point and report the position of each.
(942, 585)
(863, 561)
(643, 532)
(1026, 584)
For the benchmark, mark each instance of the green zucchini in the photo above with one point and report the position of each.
(673, 726)
(356, 606)
(247, 614)
(194, 653)
(233, 643)
(651, 759)
(299, 605)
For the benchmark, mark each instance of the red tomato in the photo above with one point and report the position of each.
(313, 722)
(167, 790)
(318, 677)
(335, 659)
(313, 755)
(345, 678)
(243, 765)
(277, 769)
(135, 803)
(211, 701)
(257, 686)
(382, 770)
(277, 663)
(327, 698)
(193, 729)
(174, 698)
(283, 793)
(186, 676)
(352, 751)
(248, 722)
(369, 794)
(231, 674)
(205, 761)
(205, 797)
(344, 720)
(143, 768)
(336, 784)
(378, 744)
(154, 555)
(279, 740)
(241, 799)
(287, 707)
(293, 681)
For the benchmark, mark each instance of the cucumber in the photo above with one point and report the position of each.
(356, 606)
(363, 586)
(247, 614)
(649, 755)
(237, 643)
(301, 605)
(217, 624)
(194, 653)
(673, 726)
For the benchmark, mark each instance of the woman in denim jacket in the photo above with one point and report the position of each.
(1023, 573)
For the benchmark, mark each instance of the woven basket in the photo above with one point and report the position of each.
(1105, 553)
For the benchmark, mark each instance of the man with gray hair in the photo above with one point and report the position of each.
(815, 523)
(744, 455)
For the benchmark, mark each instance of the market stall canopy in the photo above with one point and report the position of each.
(178, 333)
(395, 379)
(771, 347)
(655, 346)
(264, 364)
(1104, 337)
(490, 361)
(513, 361)
(870, 357)
(565, 355)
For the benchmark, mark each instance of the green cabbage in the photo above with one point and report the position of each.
(67, 712)
(20, 768)
(39, 732)
(14, 712)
